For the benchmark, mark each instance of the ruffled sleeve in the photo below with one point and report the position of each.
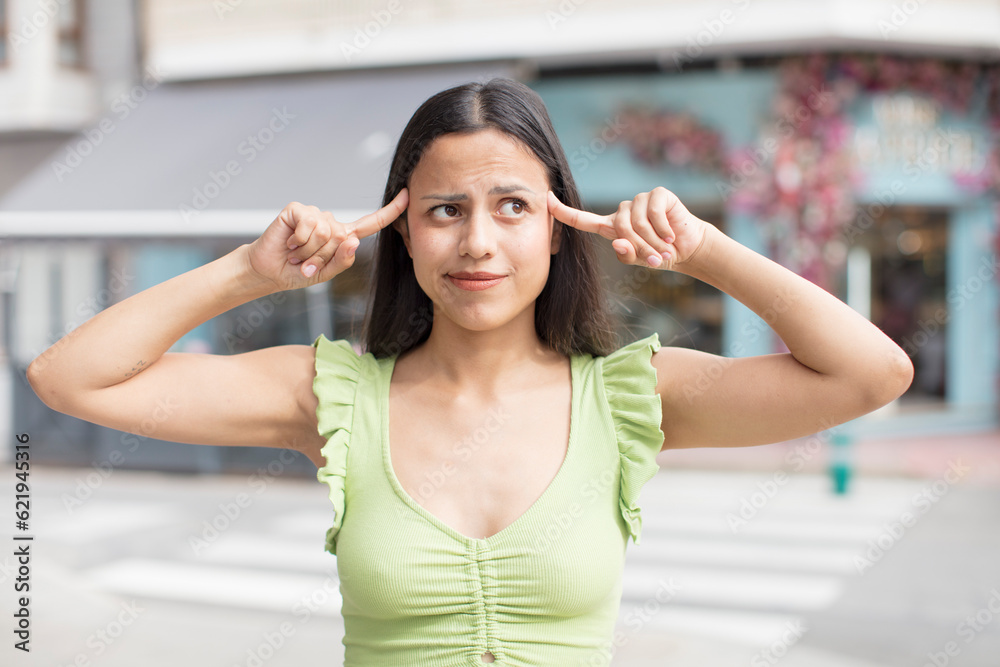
(338, 368)
(630, 386)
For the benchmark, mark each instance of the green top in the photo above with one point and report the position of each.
(546, 590)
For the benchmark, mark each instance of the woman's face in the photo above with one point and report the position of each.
(478, 206)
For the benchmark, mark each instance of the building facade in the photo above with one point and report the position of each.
(874, 175)
(856, 143)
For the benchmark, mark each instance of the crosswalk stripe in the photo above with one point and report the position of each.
(228, 586)
(264, 551)
(804, 529)
(753, 628)
(97, 520)
(302, 523)
(665, 551)
(793, 556)
(734, 587)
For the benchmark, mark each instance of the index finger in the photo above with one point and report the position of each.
(582, 220)
(371, 223)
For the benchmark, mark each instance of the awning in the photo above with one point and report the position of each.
(205, 158)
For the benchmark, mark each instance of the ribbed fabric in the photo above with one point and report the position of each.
(544, 591)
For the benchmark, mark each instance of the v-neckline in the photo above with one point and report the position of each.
(388, 366)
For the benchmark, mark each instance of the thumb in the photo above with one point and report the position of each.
(343, 259)
(624, 251)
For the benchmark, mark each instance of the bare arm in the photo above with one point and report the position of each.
(114, 370)
(839, 365)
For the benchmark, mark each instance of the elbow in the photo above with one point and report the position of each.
(34, 376)
(901, 372)
(41, 383)
(893, 379)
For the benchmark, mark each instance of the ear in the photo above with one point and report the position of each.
(556, 235)
(401, 225)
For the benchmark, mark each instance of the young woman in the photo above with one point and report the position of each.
(485, 455)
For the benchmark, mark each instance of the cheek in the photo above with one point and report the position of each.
(428, 248)
(533, 243)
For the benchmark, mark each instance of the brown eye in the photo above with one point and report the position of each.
(514, 207)
(444, 211)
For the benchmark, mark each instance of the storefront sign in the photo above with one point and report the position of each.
(907, 130)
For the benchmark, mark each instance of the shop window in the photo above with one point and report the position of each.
(908, 250)
(281, 318)
(349, 296)
(70, 33)
(685, 312)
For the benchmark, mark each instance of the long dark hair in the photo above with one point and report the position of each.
(571, 313)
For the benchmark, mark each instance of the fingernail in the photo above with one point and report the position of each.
(309, 270)
(666, 255)
(654, 260)
(293, 246)
(350, 251)
(620, 250)
(294, 260)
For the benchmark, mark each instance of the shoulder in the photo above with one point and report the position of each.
(635, 358)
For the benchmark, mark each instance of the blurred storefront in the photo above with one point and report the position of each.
(188, 175)
(875, 176)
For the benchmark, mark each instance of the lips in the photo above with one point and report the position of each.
(474, 282)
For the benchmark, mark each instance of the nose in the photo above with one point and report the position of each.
(478, 235)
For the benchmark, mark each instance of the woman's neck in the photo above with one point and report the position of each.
(484, 361)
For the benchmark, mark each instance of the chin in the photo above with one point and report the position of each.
(479, 316)
(478, 319)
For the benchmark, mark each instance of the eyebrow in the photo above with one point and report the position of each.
(499, 190)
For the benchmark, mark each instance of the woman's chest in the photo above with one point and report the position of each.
(564, 561)
(478, 466)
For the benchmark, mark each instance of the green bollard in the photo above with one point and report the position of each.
(840, 460)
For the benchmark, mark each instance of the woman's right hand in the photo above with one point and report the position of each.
(305, 246)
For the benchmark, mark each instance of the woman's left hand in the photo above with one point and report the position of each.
(653, 230)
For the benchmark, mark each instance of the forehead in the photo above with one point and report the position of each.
(476, 157)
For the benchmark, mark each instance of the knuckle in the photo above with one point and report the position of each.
(322, 233)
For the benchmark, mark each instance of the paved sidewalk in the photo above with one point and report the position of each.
(913, 457)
